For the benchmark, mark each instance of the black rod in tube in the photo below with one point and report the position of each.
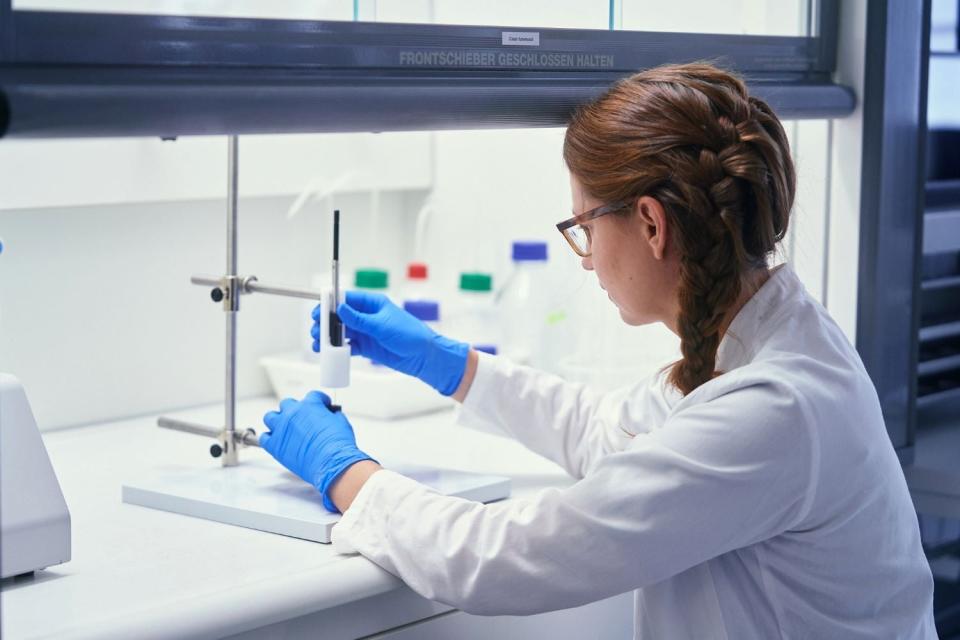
(336, 237)
(336, 326)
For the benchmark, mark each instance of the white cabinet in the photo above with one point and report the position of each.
(57, 173)
(608, 619)
(410, 617)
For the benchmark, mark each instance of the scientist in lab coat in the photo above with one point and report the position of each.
(747, 491)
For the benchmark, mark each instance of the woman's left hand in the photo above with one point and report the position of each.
(312, 441)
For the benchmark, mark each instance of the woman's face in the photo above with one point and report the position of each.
(631, 256)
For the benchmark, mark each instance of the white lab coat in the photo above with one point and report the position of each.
(768, 503)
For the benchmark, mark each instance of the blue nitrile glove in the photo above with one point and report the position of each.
(385, 333)
(313, 442)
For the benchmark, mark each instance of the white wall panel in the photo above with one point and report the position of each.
(99, 320)
(843, 251)
(809, 219)
(60, 173)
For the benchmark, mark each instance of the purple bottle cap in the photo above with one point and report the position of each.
(529, 251)
(426, 310)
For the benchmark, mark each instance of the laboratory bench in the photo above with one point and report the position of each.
(141, 573)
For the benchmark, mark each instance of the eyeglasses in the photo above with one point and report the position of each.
(579, 236)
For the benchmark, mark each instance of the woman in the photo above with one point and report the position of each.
(748, 491)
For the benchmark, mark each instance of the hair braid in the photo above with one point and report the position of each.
(710, 272)
(709, 287)
(718, 161)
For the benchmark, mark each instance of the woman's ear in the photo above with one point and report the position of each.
(652, 221)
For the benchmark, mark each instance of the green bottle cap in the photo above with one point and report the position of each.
(371, 279)
(476, 282)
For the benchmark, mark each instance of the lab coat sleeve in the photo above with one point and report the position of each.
(568, 423)
(718, 476)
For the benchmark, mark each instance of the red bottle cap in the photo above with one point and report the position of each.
(417, 271)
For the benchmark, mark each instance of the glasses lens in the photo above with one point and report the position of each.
(580, 238)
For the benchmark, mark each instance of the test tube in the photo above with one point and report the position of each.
(334, 353)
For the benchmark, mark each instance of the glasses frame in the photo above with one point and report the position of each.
(586, 216)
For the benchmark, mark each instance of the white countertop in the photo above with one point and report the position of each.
(138, 572)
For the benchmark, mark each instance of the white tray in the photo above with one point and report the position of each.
(374, 392)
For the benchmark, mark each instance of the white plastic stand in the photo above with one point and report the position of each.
(259, 494)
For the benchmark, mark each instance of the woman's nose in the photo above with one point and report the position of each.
(587, 263)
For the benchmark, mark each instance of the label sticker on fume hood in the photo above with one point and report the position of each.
(521, 38)
(505, 59)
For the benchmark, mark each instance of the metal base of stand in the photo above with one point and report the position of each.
(260, 495)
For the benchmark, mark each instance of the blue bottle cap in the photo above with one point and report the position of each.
(529, 251)
(486, 348)
(426, 310)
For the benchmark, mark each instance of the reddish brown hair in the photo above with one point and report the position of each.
(718, 161)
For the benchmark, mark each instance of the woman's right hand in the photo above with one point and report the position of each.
(385, 333)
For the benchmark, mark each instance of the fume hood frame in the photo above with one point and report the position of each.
(97, 74)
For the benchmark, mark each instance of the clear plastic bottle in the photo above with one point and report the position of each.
(524, 304)
(417, 284)
(475, 320)
(375, 280)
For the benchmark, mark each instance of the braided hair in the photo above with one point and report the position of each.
(717, 160)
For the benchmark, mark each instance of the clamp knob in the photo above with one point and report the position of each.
(216, 450)
(216, 294)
